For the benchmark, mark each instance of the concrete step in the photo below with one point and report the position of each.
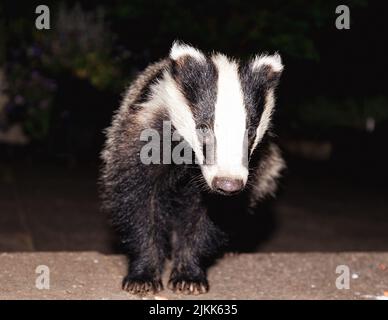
(91, 275)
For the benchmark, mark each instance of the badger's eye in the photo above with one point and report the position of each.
(205, 134)
(203, 129)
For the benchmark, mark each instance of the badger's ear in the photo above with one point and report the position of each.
(268, 67)
(180, 51)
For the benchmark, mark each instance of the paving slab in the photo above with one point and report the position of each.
(92, 275)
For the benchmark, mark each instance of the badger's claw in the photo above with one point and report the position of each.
(188, 286)
(141, 287)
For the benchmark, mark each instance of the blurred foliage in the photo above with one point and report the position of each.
(3, 97)
(31, 97)
(106, 44)
(81, 42)
(238, 27)
(324, 112)
(2, 36)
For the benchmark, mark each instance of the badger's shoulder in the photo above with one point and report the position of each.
(130, 118)
(138, 91)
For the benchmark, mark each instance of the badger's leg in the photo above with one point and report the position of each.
(141, 224)
(196, 238)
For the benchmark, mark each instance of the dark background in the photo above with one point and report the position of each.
(59, 88)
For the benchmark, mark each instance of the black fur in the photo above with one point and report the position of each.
(255, 85)
(145, 91)
(198, 82)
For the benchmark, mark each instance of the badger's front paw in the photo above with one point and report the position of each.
(186, 284)
(140, 286)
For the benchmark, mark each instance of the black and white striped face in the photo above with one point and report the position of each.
(222, 108)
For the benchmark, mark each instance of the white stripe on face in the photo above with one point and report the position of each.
(274, 62)
(265, 118)
(165, 93)
(229, 124)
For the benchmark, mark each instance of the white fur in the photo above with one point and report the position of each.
(165, 93)
(265, 118)
(180, 50)
(229, 124)
(275, 61)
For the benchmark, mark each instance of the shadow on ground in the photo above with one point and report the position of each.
(53, 208)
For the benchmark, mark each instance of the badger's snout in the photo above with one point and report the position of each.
(227, 186)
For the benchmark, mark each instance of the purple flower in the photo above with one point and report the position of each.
(34, 51)
(35, 75)
(50, 84)
(44, 104)
(19, 100)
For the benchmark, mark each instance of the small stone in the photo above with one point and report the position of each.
(382, 266)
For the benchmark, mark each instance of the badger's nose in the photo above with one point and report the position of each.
(227, 185)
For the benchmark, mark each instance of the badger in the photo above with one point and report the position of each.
(162, 210)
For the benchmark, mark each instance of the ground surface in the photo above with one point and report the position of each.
(46, 211)
(90, 275)
(48, 208)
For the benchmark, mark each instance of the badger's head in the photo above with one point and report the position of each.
(222, 109)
